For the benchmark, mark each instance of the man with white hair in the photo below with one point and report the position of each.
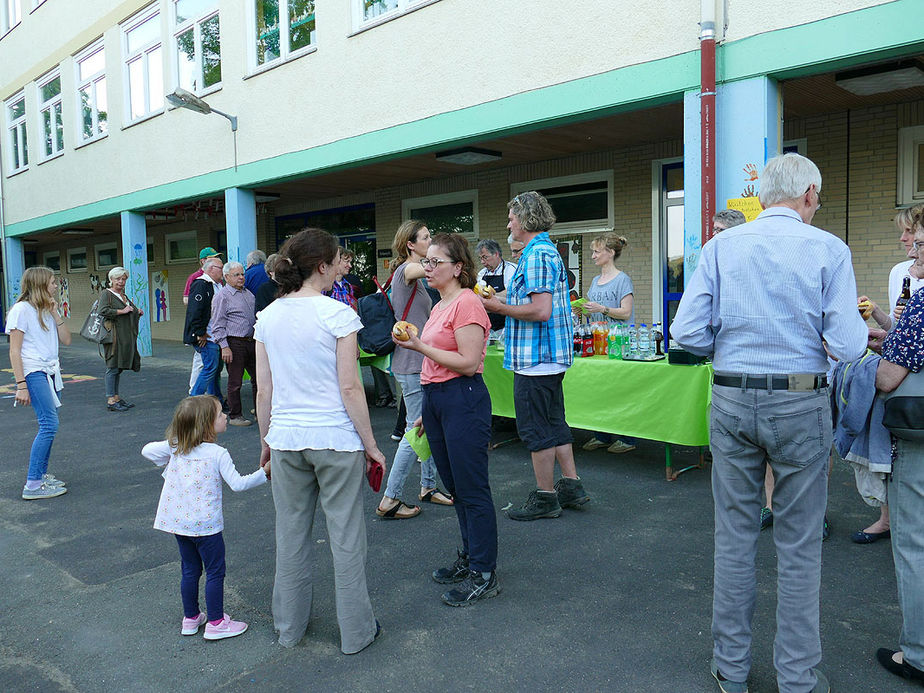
(231, 327)
(196, 330)
(256, 275)
(765, 332)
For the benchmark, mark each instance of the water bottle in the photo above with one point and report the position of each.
(633, 341)
(644, 341)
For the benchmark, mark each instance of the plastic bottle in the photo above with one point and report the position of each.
(657, 336)
(600, 340)
(578, 341)
(588, 341)
(644, 341)
(614, 343)
(633, 341)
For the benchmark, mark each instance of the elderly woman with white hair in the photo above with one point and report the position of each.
(122, 353)
(231, 327)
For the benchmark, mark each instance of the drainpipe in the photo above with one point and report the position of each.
(4, 298)
(707, 114)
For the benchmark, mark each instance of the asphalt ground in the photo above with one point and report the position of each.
(615, 597)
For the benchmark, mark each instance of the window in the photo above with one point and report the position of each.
(16, 132)
(144, 65)
(451, 213)
(282, 29)
(92, 103)
(76, 259)
(181, 247)
(371, 12)
(52, 261)
(106, 255)
(10, 14)
(198, 50)
(583, 202)
(910, 165)
(51, 123)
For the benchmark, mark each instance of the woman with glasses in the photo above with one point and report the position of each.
(409, 295)
(456, 413)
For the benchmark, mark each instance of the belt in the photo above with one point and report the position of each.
(796, 382)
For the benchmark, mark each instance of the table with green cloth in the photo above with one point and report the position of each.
(383, 363)
(643, 399)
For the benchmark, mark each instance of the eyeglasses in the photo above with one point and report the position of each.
(817, 195)
(432, 262)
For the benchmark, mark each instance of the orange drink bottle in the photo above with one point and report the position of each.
(599, 340)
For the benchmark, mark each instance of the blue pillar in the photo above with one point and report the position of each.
(13, 266)
(135, 260)
(240, 223)
(692, 188)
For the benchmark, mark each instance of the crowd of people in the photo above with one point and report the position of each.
(776, 348)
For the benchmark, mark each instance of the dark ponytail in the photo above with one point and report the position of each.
(300, 257)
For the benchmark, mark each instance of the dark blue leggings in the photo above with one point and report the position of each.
(194, 553)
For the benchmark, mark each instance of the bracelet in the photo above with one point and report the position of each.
(59, 323)
(18, 382)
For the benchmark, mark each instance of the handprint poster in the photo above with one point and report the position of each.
(160, 297)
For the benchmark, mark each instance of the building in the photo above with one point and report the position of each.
(353, 115)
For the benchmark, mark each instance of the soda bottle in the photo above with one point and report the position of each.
(588, 342)
(657, 336)
(614, 343)
(578, 341)
(599, 340)
(644, 341)
(905, 295)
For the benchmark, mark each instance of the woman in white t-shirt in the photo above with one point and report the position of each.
(317, 438)
(35, 330)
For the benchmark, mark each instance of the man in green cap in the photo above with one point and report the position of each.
(204, 255)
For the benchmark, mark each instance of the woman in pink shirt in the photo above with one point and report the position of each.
(457, 413)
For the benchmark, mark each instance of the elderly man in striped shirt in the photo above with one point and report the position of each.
(232, 329)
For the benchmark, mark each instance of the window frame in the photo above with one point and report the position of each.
(6, 23)
(92, 84)
(77, 251)
(591, 225)
(143, 53)
(50, 254)
(285, 55)
(908, 192)
(194, 23)
(360, 23)
(13, 129)
(178, 235)
(55, 103)
(105, 246)
(446, 199)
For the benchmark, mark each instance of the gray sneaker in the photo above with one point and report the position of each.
(571, 493)
(43, 491)
(539, 504)
(50, 480)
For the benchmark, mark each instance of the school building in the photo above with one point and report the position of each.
(354, 115)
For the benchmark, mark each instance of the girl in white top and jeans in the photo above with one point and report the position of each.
(35, 330)
(315, 431)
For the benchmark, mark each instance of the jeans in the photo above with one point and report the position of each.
(194, 552)
(195, 371)
(47, 414)
(405, 456)
(792, 432)
(457, 418)
(112, 381)
(906, 512)
(207, 382)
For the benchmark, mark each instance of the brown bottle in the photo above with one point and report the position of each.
(905, 295)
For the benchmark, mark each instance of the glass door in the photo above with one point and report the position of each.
(671, 224)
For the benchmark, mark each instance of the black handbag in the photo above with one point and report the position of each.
(904, 408)
(94, 327)
(378, 317)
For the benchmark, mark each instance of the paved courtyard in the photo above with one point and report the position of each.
(616, 597)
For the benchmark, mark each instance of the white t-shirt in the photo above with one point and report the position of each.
(38, 345)
(896, 275)
(190, 502)
(507, 268)
(300, 336)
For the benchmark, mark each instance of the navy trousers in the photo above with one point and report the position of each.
(194, 552)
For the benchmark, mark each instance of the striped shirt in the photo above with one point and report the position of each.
(232, 315)
(765, 295)
(530, 344)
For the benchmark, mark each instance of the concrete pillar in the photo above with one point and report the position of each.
(135, 260)
(14, 265)
(240, 223)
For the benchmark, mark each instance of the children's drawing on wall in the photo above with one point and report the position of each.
(750, 172)
(95, 284)
(160, 297)
(64, 297)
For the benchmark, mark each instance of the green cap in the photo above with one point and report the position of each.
(208, 252)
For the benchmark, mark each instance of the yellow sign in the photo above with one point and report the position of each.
(748, 206)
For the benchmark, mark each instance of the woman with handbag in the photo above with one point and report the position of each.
(122, 352)
(36, 329)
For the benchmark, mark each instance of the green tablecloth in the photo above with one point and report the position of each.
(652, 400)
(383, 363)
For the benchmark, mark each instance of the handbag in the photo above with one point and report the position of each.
(904, 408)
(378, 317)
(94, 327)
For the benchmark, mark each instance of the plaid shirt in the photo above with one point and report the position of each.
(541, 270)
(343, 291)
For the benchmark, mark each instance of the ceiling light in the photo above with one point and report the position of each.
(468, 156)
(77, 232)
(878, 79)
(266, 197)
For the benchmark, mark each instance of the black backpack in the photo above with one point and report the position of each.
(378, 316)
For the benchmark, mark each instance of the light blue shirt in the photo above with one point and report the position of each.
(766, 293)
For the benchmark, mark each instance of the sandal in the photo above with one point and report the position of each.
(436, 497)
(397, 512)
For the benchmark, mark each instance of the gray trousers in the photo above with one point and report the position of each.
(792, 432)
(906, 511)
(300, 479)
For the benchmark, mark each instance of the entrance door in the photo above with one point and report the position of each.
(671, 235)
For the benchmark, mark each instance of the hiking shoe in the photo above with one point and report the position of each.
(191, 625)
(43, 491)
(226, 629)
(766, 518)
(725, 685)
(571, 493)
(473, 588)
(619, 447)
(594, 444)
(539, 504)
(49, 480)
(457, 572)
(821, 683)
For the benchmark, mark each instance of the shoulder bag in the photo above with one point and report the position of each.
(94, 327)
(378, 316)
(904, 408)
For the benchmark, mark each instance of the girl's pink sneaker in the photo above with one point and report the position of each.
(226, 629)
(191, 625)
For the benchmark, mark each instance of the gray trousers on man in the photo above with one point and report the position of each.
(792, 432)
(906, 511)
(300, 479)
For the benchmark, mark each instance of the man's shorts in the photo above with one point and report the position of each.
(540, 407)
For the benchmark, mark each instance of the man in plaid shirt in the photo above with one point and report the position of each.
(538, 336)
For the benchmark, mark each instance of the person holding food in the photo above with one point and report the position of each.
(493, 278)
(456, 413)
(407, 287)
